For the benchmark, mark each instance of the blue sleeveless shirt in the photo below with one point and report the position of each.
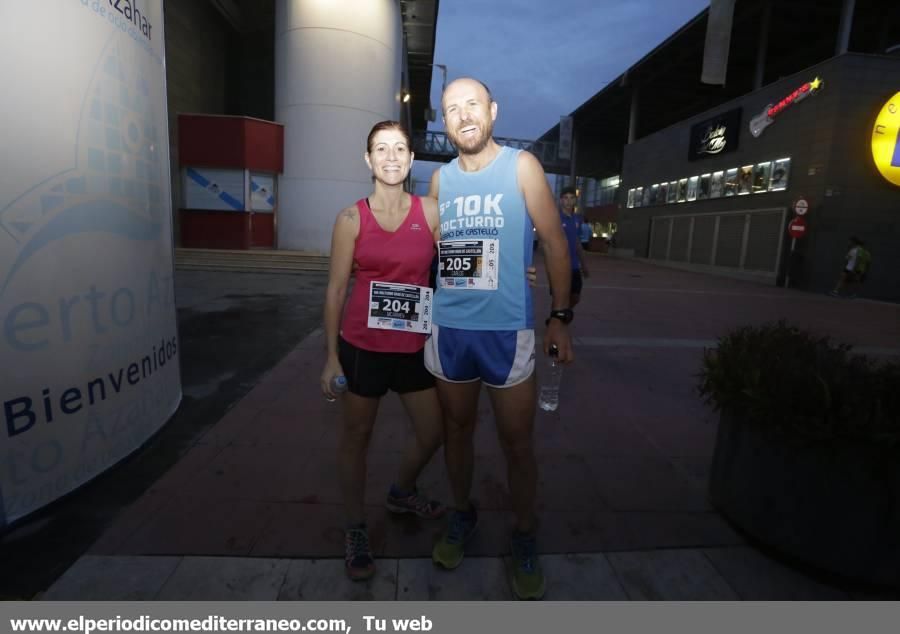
(487, 205)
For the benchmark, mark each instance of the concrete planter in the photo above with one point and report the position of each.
(835, 508)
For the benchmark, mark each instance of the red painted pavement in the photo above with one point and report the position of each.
(623, 464)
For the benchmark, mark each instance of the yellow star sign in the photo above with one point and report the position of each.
(815, 84)
(886, 140)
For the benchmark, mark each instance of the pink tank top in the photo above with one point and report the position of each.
(402, 256)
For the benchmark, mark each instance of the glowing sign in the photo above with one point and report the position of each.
(764, 119)
(886, 140)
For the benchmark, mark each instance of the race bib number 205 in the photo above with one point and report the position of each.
(469, 264)
(403, 307)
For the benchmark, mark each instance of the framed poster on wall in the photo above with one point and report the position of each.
(731, 181)
(692, 187)
(781, 171)
(717, 184)
(745, 180)
(761, 175)
(703, 188)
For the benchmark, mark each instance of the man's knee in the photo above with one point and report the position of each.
(518, 441)
(458, 428)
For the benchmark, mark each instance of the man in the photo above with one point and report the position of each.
(586, 234)
(483, 330)
(571, 225)
(854, 273)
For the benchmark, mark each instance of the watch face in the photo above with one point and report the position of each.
(564, 315)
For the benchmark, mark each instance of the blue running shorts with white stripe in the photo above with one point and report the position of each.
(499, 358)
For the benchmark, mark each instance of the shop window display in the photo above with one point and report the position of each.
(703, 189)
(781, 170)
(692, 187)
(761, 175)
(731, 182)
(682, 190)
(745, 180)
(717, 185)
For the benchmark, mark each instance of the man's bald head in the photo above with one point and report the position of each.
(467, 83)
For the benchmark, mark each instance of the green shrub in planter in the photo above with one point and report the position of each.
(803, 387)
(807, 455)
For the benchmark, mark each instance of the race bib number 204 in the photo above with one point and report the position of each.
(403, 307)
(469, 264)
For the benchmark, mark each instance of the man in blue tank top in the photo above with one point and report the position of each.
(489, 199)
(571, 226)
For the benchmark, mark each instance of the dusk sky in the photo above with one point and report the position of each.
(544, 59)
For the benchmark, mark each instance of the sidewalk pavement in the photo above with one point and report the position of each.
(252, 510)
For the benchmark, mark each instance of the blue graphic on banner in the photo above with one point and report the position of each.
(214, 189)
(254, 187)
(92, 216)
(117, 183)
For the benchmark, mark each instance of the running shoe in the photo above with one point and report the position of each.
(358, 560)
(449, 550)
(528, 578)
(415, 503)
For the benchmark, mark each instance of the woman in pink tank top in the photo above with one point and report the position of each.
(375, 342)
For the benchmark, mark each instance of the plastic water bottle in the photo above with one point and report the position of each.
(548, 399)
(338, 385)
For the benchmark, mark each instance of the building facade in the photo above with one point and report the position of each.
(709, 194)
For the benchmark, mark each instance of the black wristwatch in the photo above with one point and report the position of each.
(565, 315)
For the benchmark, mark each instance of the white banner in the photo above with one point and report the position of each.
(213, 188)
(87, 317)
(565, 138)
(262, 192)
(718, 42)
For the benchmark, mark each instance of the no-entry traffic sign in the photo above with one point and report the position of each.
(797, 227)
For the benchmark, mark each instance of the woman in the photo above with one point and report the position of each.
(387, 237)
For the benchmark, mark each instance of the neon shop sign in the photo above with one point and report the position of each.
(767, 117)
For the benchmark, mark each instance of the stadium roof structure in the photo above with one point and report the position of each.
(800, 33)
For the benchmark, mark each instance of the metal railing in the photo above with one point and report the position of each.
(436, 146)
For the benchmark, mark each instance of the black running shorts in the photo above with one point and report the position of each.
(372, 374)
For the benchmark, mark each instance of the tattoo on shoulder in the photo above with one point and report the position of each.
(350, 213)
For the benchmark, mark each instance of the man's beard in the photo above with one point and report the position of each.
(473, 146)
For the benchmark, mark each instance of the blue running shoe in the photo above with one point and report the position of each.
(449, 550)
(528, 578)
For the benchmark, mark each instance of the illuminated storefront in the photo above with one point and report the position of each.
(715, 193)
